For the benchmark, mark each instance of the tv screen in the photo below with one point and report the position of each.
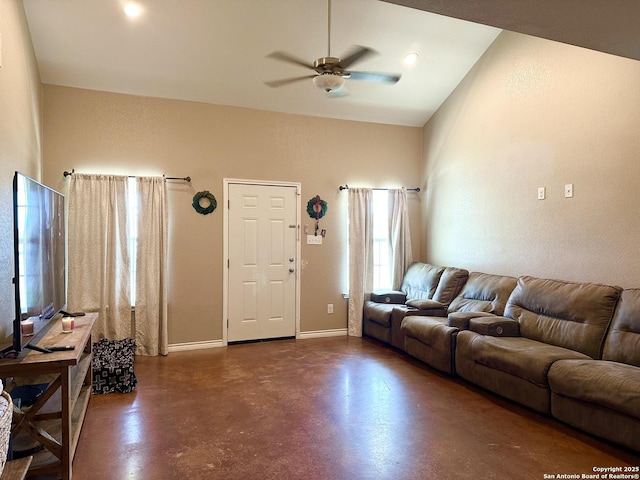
(40, 262)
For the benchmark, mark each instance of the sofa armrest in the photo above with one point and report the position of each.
(427, 307)
(495, 326)
(461, 319)
(388, 296)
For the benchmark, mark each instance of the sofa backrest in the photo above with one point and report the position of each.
(450, 284)
(484, 292)
(570, 315)
(421, 280)
(623, 339)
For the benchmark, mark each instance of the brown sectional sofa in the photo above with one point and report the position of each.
(566, 349)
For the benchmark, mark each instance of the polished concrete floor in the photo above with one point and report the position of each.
(329, 408)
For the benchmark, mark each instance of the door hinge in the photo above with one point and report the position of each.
(228, 263)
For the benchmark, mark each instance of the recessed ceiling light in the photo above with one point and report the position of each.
(132, 9)
(411, 58)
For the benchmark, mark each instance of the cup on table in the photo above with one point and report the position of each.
(68, 324)
(26, 327)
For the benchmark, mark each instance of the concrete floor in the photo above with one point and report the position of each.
(329, 408)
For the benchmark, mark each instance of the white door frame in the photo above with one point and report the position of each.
(225, 246)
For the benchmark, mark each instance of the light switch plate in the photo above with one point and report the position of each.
(314, 239)
(541, 193)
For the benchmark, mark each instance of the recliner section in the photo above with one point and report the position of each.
(432, 339)
(426, 290)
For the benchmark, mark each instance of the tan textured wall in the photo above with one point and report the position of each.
(537, 113)
(20, 129)
(99, 132)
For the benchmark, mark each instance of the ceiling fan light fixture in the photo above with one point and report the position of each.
(328, 81)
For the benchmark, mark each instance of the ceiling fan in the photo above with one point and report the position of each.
(331, 72)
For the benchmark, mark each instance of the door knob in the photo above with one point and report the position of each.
(291, 269)
(291, 259)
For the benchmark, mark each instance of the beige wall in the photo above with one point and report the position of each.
(98, 132)
(537, 113)
(20, 128)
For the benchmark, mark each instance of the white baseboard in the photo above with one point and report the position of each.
(338, 332)
(181, 347)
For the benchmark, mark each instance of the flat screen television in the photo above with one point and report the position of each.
(39, 255)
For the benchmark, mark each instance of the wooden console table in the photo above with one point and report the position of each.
(56, 418)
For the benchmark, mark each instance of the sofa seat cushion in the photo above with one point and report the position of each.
(379, 313)
(611, 385)
(519, 356)
(428, 330)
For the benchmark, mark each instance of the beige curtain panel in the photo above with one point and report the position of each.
(101, 260)
(360, 255)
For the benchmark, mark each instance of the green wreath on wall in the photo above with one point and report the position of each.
(316, 208)
(204, 210)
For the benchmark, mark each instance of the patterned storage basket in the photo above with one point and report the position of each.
(5, 427)
(113, 366)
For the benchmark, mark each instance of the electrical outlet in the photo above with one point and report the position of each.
(314, 240)
(568, 190)
(330, 308)
(542, 193)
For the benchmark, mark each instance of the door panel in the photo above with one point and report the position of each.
(262, 248)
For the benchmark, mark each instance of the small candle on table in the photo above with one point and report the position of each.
(67, 324)
(27, 327)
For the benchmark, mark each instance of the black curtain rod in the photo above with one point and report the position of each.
(346, 187)
(184, 179)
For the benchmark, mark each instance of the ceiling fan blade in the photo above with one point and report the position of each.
(373, 77)
(285, 57)
(356, 54)
(287, 81)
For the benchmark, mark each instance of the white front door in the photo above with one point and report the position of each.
(262, 267)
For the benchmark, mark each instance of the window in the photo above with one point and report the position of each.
(381, 261)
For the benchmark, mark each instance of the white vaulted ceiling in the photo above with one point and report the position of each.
(214, 51)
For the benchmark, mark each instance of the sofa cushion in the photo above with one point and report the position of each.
(426, 329)
(623, 340)
(522, 357)
(484, 293)
(450, 284)
(608, 384)
(421, 280)
(379, 313)
(422, 304)
(570, 315)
